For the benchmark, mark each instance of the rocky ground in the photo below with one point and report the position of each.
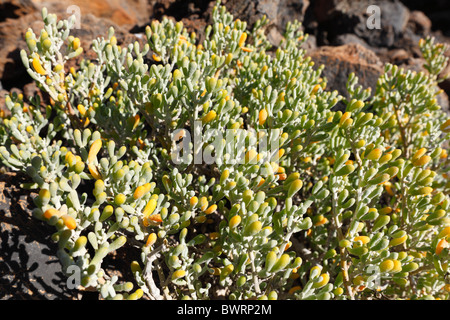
(339, 38)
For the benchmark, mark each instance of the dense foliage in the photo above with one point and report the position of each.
(227, 166)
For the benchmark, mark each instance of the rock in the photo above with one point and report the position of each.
(12, 9)
(29, 268)
(123, 13)
(409, 42)
(419, 22)
(93, 27)
(3, 107)
(396, 56)
(96, 18)
(310, 44)
(12, 71)
(440, 21)
(340, 17)
(279, 12)
(349, 38)
(30, 90)
(342, 60)
(445, 75)
(443, 101)
(413, 64)
(437, 11)
(274, 36)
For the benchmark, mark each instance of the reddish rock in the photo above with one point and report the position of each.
(96, 18)
(443, 101)
(12, 71)
(342, 60)
(398, 55)
(12, 9)
(31, 90)
(123, 13)
(12, 31)
(419, 22)
(3, 94)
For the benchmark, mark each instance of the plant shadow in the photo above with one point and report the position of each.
(29, 267)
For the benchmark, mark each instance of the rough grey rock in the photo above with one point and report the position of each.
(346, 16)
(279, 12)
(29, 268)
(348, 38)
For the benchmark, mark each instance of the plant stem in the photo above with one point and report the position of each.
(342, 251)
(154, 290)
(255, 276)
(402, 131)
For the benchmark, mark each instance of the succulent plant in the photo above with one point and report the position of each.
(228, 166)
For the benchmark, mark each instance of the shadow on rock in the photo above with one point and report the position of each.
(29, 268)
